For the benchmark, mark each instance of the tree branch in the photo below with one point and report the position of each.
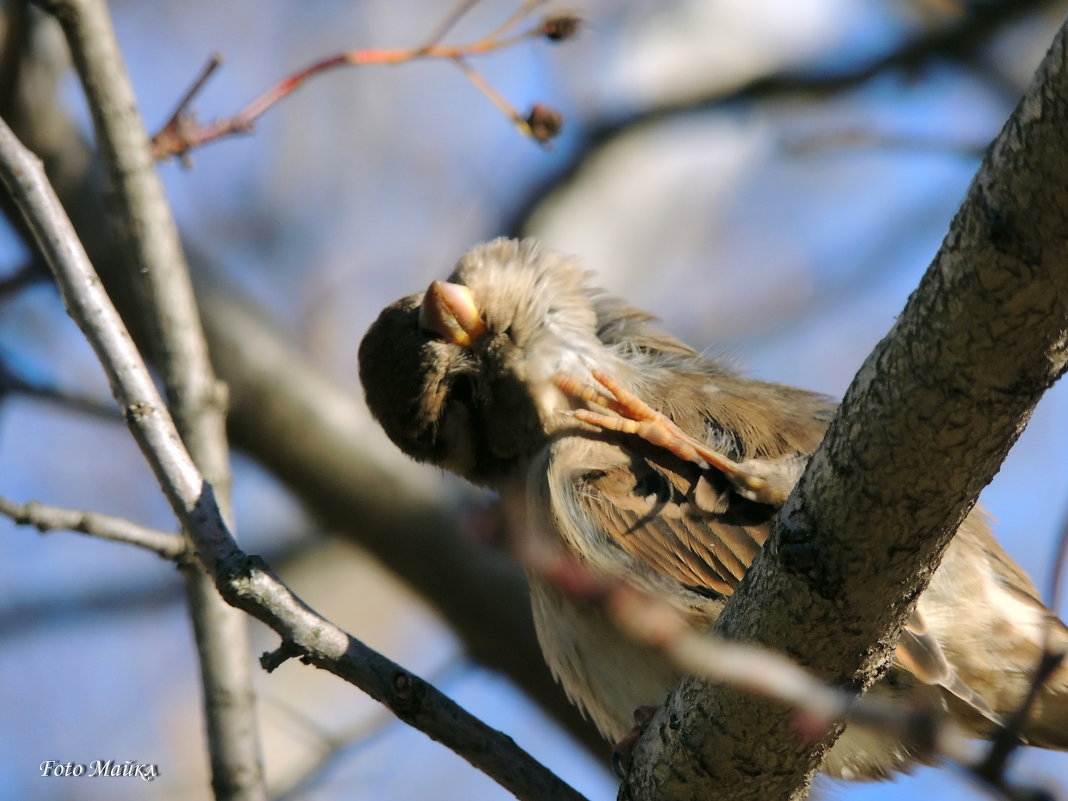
(244, 581)
(117, 529)
(12, 382)
(181, 133)
(941, 400)
(154, 257)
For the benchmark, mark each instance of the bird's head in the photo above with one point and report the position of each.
(461, 375)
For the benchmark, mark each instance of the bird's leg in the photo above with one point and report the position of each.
(629, 414)
(759, 480)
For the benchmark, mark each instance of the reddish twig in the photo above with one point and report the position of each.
(447, 24)
(181, 120)
(526, 8)
(182, 133)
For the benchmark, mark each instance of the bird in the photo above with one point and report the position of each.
(647, 462)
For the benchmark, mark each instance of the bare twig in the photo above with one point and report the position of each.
(447, 24)
(495, 97)
(244, 581)
(28, 274)
(525, 8)
(180, 119)
(181, 133)
(52, 518)
(11, 382)
(991, 769)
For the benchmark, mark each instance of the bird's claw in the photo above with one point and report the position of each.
(626, 413)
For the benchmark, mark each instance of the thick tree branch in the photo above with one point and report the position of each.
(923, 428)
(244, 581)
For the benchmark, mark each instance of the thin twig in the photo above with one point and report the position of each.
(181, 134)
(991, 769)
(495, 97)
(527, 7)
(213, 63)
(11, 382)
(181, 118)
(448, 23)
(27, 275)
(96, 524)
(244, 581)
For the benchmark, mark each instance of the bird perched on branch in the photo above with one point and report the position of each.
(648, 462)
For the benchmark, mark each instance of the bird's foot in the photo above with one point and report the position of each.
(627, 413)
(621, 754)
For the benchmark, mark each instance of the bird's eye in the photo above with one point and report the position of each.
(508, 332)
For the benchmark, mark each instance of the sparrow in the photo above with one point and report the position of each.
(650, 463)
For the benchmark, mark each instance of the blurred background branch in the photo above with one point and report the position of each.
(152, 255)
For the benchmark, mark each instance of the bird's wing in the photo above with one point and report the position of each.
(669, 512)
(687, 522)
(645, 503)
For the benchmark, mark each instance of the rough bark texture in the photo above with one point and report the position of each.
(924, 426)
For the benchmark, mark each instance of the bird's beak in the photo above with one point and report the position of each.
(450, 311)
